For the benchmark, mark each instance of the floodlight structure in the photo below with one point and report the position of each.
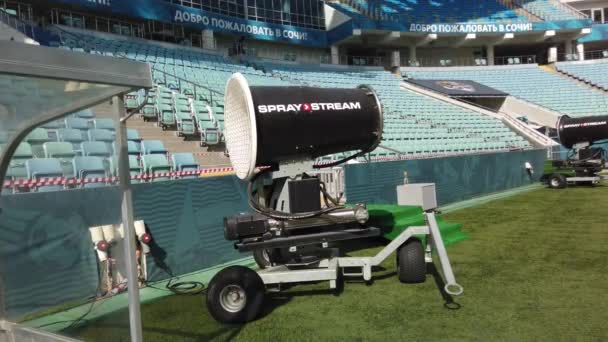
(273, 136)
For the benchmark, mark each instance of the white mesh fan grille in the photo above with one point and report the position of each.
(240, 126)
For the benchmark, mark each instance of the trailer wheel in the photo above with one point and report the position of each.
(411, 266)
(235, 295)
(557, 181)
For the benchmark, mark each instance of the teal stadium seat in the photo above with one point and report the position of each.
(73, 136)
(36, 139)
(154, 164)
(62, 151)
(16, 169)
(184, 162)
(153, 147)
(107, 124)
(85, 114)
(89, 167)
(44, 168)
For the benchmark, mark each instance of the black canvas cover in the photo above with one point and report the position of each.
(459, 88)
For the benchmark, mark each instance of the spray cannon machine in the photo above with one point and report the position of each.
(584, 161)
(273, 135)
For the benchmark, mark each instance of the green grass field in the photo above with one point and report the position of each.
(535, 268)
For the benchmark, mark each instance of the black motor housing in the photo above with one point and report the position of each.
(245, 225)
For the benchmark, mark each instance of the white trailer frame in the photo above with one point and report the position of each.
(328, 269)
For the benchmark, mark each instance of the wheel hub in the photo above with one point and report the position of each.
(233, 298)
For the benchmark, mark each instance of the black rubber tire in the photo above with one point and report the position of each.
(411, 266)
(251, 284)
(263, 258)
(557, 181)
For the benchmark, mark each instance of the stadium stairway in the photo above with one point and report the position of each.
(519, 10)
(149, 131)
(582, 79)
(508, 118)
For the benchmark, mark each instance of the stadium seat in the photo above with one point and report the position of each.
(36, 139)
(107, 124)
(89, 167)
(206, 127)
(85, 114)
(156, 164)
(16, 169)
(134, 148)
(133, 135)
(131, 101)
(73, 136)
(95, 149)
(134, 169)
(44, 168)
(80, 124)
(153, 147)
(165, 116)
(184, 162)
(103, 135)
(53, 127)
(62, 151)
(183, 118)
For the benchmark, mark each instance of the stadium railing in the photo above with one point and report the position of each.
(362, 60)
(17, 24)
(569, 57)
(467, 61)
(596, 54)
(513, 60)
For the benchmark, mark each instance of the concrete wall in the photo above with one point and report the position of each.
(437, 54)
(534, 113)
(9, 33)
(457, 178)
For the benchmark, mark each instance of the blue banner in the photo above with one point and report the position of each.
(598, 32)
(200, 19)
(489, 27)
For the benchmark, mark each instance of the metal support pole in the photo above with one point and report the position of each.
(127, 219)
(451, 286)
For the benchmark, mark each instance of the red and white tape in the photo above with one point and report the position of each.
(211, 171)
(78, 181)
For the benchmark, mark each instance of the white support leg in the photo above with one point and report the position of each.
(451, 286)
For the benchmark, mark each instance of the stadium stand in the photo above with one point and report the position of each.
(447, 11)
(548, 10)
(188, 100)
(414, 124)
(594, 72)
(528, 82)
(176, 71)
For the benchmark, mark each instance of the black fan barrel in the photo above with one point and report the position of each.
(305, 123)
(572, 131)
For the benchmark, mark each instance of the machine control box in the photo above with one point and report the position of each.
(304, 195)
(420, 194)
